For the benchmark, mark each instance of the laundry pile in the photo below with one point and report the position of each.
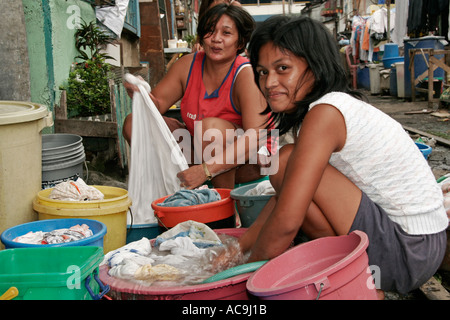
(74, 233)
(180, 256)
(262, 188)
(183, 197)
(76, 190)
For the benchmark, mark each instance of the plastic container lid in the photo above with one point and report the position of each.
(19, 111)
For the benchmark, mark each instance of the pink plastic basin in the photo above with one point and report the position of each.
(233, 288)
(335, 267)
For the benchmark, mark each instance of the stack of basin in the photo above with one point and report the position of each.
(62, 158)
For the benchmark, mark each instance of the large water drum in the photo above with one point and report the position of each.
(21, 124)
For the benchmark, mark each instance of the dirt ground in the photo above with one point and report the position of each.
(435, 122)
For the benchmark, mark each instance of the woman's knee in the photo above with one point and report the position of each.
(126, 129)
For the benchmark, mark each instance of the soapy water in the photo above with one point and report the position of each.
(194, 269)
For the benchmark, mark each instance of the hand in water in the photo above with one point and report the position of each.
(225, 257)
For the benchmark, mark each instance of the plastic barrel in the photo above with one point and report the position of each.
(375, 78)
(420, 66)
(393, 81)
(112, 211)
(400, 70)
(390, 50)
(21, 124)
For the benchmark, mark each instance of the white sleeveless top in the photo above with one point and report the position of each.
(387, 166)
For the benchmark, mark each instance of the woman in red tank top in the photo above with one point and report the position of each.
(218, 93)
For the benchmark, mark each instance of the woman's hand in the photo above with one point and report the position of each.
(225, 257)
(131, 88)
(192, 177)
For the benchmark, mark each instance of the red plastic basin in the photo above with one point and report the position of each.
(204, 213)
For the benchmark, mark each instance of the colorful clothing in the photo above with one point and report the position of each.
(198, 104)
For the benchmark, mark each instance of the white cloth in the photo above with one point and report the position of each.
(384, 162)
(113, 16)
(177, 249)
(262, 188)
(156, 157)
(75, 191)
(401, 20)
(125, 261)
(200, 234)
(182, 246)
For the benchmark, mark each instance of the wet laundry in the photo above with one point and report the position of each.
(184, 198)
(262, 188)
(76, 190)
(77, 232)
(176, 256)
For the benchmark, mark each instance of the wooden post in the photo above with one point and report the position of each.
(412, 54)
(61, 110)
(430, 80)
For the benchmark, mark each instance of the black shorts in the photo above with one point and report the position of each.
(399, 261)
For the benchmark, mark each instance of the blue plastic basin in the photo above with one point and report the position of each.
(426, 150)
(98, 229)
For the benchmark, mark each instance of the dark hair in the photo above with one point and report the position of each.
(309, 39)
(243, 20)
(203, 7)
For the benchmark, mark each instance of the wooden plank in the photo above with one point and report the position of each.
(439, 140)
(84, 128)
(440, 64)
(412, 56)
(61, 109)
(433, 290)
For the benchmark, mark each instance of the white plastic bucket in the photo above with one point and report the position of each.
(400, 67)
(374, 74)
(21, 124)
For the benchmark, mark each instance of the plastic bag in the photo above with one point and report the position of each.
(156, 157)
(75, 191)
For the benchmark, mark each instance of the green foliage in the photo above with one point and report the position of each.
(88, 88)
(190, 39)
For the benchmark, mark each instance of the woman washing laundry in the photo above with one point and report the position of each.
(344, 171)
(217, 91)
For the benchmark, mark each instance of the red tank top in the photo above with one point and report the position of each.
(198, 104)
